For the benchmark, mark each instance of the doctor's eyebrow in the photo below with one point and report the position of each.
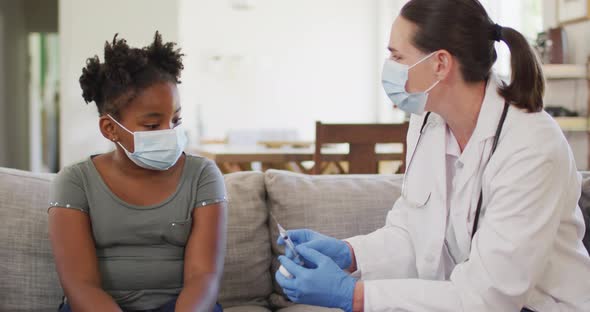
(392, 50)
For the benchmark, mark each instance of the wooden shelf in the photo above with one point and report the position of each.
(573, 124)
(566, 71)
(561, 72)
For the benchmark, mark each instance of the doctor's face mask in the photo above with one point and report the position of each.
(394, 79)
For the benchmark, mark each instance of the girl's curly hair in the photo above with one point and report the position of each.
(126, 71)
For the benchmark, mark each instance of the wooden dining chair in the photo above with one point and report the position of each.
(362, 139)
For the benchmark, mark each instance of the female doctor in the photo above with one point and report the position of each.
(488, 218)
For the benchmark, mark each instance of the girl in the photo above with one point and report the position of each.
(141, 228)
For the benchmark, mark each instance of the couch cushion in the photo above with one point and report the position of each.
(246, 278)
(28, 281)
(341, 206)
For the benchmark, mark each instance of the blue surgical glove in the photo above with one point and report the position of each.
(336, 249)
(323, 285)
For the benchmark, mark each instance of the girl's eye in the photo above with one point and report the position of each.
(177, 121)
(152, 127)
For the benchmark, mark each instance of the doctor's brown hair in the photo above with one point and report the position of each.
(464, 29)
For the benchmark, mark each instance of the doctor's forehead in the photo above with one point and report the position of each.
(402, 37)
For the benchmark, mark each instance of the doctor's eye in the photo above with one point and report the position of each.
(152, 126)
(177, 121)
(395, 57)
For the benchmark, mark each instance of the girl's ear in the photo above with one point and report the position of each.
(108, 128)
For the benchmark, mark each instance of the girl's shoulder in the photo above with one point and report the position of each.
(76, 172)
(198, 165)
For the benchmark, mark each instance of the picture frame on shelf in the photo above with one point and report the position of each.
(572, 11)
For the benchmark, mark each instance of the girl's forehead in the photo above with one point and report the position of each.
(161, 97)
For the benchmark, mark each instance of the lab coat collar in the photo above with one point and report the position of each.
(475, 153)
(434, 172)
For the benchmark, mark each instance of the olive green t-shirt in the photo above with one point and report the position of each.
(140, 250)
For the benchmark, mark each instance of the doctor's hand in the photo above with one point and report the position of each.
(320, 283)
(339, 251)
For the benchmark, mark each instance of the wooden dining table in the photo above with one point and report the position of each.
(233, 158)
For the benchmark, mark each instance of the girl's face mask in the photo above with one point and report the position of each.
(155, 150)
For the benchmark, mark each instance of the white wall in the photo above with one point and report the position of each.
(571, 94)
(282, 64)
(84, 27)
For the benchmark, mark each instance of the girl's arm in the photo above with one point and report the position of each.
(75, 258)
(203, 259)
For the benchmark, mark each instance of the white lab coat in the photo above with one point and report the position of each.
(527, 250)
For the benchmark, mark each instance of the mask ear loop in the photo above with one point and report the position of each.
(120, 125)
(422, 60)
(432, 87)
(123, 147)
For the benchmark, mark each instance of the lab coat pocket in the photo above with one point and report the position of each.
(177, 232)
(416, 199)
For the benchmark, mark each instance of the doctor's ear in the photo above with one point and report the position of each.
(444, 62)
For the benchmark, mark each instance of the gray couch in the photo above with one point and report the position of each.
(341, 206)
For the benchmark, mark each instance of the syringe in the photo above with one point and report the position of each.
(288, 244)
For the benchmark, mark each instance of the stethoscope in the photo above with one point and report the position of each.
(479, 202)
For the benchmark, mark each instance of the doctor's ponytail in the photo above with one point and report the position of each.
(464, 29)
(528, 85)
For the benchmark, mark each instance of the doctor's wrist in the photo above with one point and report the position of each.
(352, 268)
(358, 298)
